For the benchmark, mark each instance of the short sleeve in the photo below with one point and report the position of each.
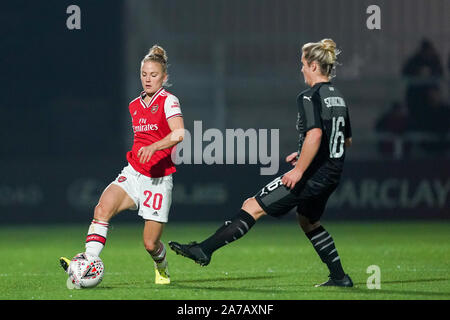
(311, 112)
(172, 107)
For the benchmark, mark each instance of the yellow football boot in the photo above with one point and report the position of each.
(162, 275)
(64, 262)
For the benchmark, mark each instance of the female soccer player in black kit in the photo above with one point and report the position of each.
(324, 131)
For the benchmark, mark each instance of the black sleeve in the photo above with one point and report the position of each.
(311, 111)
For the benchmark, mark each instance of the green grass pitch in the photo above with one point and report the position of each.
(273, 261)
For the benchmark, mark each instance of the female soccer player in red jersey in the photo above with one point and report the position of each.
(145, 184)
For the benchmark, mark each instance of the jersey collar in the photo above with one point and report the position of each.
(155, 95)
(318, 84)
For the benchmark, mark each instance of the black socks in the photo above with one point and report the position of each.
(231, 230)
(239, 225)
(325, 248)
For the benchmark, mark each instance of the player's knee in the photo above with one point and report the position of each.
(306, 225)
(102, 213)
(252, 207)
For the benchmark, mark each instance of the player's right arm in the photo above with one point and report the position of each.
(311, 144)
(292, 158)
(309, 150)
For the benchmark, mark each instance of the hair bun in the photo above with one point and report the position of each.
(158, 51)
(328, 44)
(325, 53)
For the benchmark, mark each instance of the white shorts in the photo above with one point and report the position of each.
(152, 196)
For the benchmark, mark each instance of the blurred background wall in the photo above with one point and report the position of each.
(65, 127)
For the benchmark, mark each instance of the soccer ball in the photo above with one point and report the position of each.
(85, 271)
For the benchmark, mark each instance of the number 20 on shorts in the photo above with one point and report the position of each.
(156, 202)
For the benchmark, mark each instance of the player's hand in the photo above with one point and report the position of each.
(291, 178)
(292, 158)
(145, 153)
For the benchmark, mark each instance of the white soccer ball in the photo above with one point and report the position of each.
(85, 271)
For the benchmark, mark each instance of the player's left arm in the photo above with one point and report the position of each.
(174, 117)
(309, 150)
(348, 142)
(176, 135)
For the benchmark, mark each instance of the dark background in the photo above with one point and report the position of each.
(65, 127)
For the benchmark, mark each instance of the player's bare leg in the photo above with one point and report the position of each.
(112, 201)
(152, 235)
(324, 245)
(230, 231)
(252, 207)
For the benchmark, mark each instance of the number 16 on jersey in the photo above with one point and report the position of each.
(337, 138)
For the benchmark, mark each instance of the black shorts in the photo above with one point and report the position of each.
(310, 196)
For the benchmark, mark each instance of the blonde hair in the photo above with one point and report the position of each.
(324, 53)
(158, 54)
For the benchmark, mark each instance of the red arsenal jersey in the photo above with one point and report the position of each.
(150, 124)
